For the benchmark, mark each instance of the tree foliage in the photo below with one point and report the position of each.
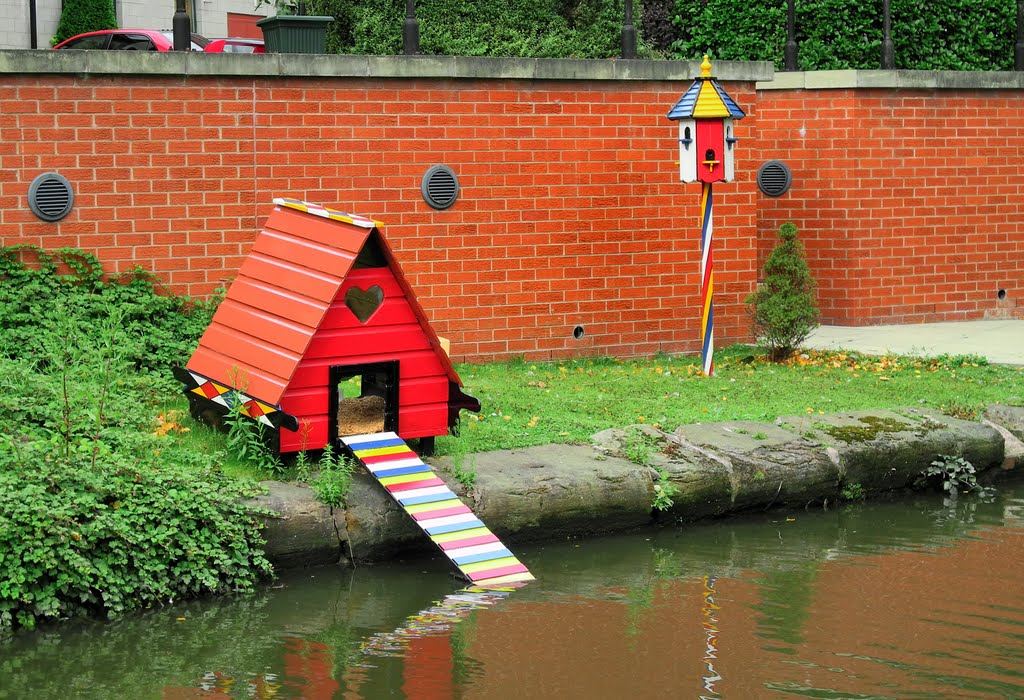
(832, 34)
(80, 16)
(540, 28)
(835, 34)
(783, 307)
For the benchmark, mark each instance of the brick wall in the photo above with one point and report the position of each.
(910, 202)
(571, 212)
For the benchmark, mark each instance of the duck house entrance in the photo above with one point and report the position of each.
(364, 398)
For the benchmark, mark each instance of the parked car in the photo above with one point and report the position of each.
(129, 40)
(235, 45)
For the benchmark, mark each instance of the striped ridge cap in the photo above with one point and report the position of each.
(326, 212)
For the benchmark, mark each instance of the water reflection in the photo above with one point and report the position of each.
(892, 600)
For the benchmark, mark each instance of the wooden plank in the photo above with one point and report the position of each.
(423, 390)
(300, 309)
(256, 322)
(424, 420)
(305, 253)
(412, 364)
(317, 229)
(472, 548)
(250, 351)
(296, 279)
(356, 343)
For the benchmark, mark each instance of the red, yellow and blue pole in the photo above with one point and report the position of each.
(707, 281)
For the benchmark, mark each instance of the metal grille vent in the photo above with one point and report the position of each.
(440, 187)
(774, 178)
(50, 197)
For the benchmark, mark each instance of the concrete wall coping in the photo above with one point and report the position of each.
(895, 79)
(27, 61)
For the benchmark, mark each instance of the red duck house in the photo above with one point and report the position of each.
(320, 336)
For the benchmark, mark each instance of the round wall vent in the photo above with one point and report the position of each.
(440, 187)
(50, 197)
(774, 178)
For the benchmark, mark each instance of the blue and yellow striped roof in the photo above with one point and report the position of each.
(705, 99)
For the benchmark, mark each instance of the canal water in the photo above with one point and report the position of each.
(910, 599)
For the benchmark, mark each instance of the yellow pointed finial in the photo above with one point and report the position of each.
(705, 67)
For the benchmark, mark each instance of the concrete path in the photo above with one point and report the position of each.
(1000, 341)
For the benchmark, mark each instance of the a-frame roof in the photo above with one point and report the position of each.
(281, 295)
(705, 99)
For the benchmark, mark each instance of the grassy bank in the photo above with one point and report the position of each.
(530, 403)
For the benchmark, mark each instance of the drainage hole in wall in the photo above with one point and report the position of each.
(1001, 294)
(577, 332)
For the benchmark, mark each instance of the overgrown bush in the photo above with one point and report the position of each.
(164, 328)
(80, 16)
(99, 514)
(834, 34)
(783, 307)
(831, 33)
(541, 28)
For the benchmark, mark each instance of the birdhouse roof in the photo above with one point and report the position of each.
(282, 293)
(705, 99)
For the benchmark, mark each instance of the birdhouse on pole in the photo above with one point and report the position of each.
(707, 142)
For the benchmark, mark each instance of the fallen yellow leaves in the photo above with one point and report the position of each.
(168, 422)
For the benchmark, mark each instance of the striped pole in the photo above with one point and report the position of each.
(707, 280)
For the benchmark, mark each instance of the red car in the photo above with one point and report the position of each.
(235, 45)
(129, 40)
(152, 40)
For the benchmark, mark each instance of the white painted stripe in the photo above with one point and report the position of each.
(410, 462)
(425, 491)
(446, 520)
(369, 437)
(474, 549)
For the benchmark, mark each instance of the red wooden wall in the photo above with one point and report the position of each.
(391, 333)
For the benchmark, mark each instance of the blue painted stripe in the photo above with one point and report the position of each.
(485, 556)
(417, 500)
(454, 527)
(399, 471)
(393, 442)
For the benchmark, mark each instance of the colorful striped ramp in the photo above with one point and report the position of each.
(476, 551)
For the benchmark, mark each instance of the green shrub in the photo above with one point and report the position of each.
(834, 34)
(99, 511)
(163, 329)
(783, 307)
(80, 16)
(542, 28)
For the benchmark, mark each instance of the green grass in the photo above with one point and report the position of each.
(538, 403)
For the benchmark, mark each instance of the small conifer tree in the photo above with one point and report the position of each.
(80, 16)
(783, 307)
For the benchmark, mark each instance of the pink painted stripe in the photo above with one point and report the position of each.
(468, 542)
(454, 510)
(500, 571)
(415, 484)
(377, 459)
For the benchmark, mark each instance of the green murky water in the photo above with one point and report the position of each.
(914, 599)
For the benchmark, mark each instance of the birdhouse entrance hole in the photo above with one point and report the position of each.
(364, 398)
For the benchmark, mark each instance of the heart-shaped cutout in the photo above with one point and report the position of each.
(364, 302)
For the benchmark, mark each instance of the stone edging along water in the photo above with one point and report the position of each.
(559, 491)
